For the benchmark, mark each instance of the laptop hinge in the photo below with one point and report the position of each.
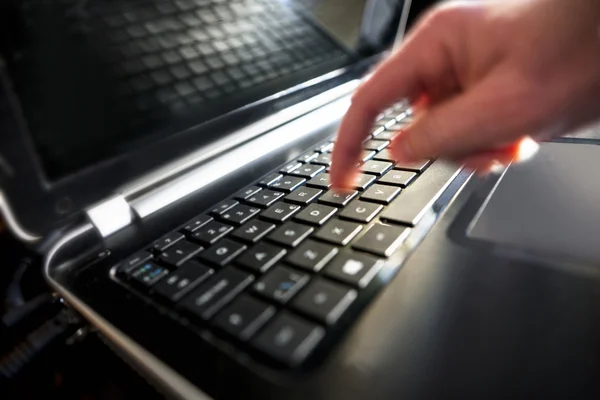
(111, 216)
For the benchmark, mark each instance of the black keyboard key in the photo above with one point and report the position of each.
(339, 232)
(386, 121)
(303, 195)
(147, 273)
(308, 157)
(381, 194)
(361, 211)
(382, 240)
(196, 223)
(366, 155)
(308, 170)
(384, 134)
(223, 252)
(338, 199)
(270, 179)
(244, 194)
(418, 198)
(290, 167)
(375, 145)
(167, 241)
(287, 183)
(384, 155)
(289, 339)
(398, 178)
(290, 234)
(280, 212)
(316, 214)
(223, 207)
(240, 214)
(212, 295)
(244, 317)
(322, 159)
(324, 301)
(362, 181)
(179, 253)
(376, 167)
(180, 282)
(211, 232)
(377, 130)
(261, 257)
(311, 255)
(418, 166)
(135, 260)
(265, 198)
(354, 268)
(320, 181)
(281, 284)
(253, 231)
(325, 147)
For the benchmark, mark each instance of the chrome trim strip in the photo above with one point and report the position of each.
(133, 189)
(151, 366)
(204, 175)
(13, 224)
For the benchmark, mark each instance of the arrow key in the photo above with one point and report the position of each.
(253, 231)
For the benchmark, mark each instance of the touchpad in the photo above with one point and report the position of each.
(549, 204)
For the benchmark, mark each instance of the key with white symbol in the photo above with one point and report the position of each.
(354, 268)
(261, 257)
(339, 232)
(280, 211)
(383, 194)
(360, 211)
(239, 214)
(244, 316)
(290, 234)
(264, 198)
(253, 231)
(222, 252)
(312, 255)
(303, 195)
(180, 282)
(382, 240)
(324, 300)
(316, 214)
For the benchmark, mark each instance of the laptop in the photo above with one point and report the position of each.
(169, 158)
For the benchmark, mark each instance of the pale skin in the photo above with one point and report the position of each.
(485, 76)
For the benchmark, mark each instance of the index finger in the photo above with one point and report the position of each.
(404, 75)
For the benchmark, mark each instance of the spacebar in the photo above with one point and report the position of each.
(414, 201)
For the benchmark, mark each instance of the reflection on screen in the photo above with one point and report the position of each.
(96, 78)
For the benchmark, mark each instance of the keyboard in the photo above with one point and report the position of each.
(285, 265)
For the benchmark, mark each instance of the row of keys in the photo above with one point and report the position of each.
(279, 233)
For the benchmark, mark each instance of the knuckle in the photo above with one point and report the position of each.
(444, 14)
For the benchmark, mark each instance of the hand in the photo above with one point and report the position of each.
(493, 75)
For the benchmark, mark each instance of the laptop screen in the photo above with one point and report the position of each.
(97, 78)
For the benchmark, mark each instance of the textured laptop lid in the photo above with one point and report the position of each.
(99, 78)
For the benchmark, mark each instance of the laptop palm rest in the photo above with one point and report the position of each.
(549, 204)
